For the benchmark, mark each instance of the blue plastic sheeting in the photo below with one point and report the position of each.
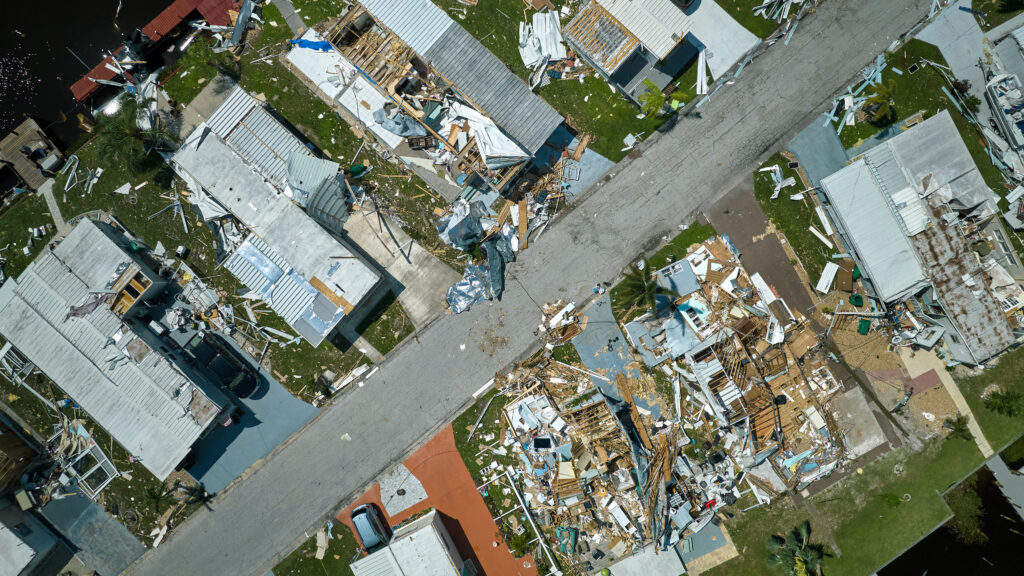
(399, 124)
(818, 150)
(318, 45)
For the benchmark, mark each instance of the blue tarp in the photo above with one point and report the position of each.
(319, 45)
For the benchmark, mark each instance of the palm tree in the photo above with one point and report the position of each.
(121, 140)
(640, 288)
(795, 553)
(1005, 403)
(882, 99)
(158, 498)
(958, 427)
(653, 100)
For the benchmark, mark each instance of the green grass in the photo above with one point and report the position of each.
(315, 11)
(997, 11)
(490, 424)
(999, 430)
(27, 211)
(341, 550)
(591, 107)
(567, 354)
(792, 218)
(742, 11)
(387, 325)
(922, 91)
(869, 527)
(674, 251)
(197, 66)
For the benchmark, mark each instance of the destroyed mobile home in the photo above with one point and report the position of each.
(609, 465)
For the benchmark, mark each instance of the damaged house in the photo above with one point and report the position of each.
(455, 103)
(911, 213)
(620, 472)
(631, 41)
(252, 177)
(77, 314)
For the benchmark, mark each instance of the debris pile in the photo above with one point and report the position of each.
(609, 463)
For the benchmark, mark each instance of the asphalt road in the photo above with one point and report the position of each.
(424, 384)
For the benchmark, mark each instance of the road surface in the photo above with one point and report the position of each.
(424, 384)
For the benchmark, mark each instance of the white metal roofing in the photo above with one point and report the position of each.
(361, 97)
(135, 402)
(256, 135)
(883, 250)
(658, 24)
(419, 23)
(294, 238)
(479, 75)
(15, 554)
(418, 548)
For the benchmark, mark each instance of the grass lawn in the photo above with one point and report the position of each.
(997, 11)
(567, 354)
(922, 91)
(743, 12)
(673, 251)
(999, 430)
(341, 550)
(387, 325)
(870, 523)
(27, 211)
(591, 107)
(199, 64)
(315, 11)
(792, 218)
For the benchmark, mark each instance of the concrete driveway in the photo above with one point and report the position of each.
(739, 215)
(425, 383)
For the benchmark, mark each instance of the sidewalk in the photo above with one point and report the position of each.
(922, 362)
(62, 227)
(294, 21)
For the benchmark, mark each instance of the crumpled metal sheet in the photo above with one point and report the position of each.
(471, 289)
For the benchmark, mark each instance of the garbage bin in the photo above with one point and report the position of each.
(863, 326)
(857, 300)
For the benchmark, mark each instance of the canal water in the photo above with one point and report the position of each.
(942, 554)
(40, 50)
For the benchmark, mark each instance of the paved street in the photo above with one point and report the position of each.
(426, 382)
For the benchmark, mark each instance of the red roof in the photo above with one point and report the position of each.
(84, 87)
(215, 12)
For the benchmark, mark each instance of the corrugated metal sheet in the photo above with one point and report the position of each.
(256, 135)
(134, 402)
(419, 23)
(328, 207)
(868, 223)
(489, 84)
(288, 294)
(659, 24)
(380, 563)
(306, 174)
(600, 38)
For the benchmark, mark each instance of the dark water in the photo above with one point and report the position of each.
(37, 67)
(941, 554)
